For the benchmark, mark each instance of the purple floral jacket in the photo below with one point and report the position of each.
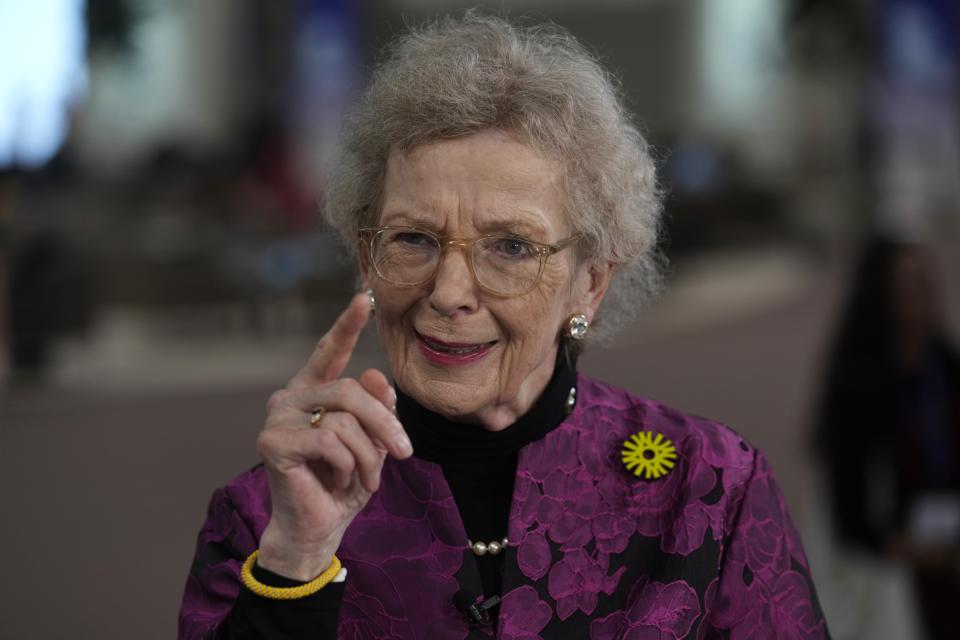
(707, 551)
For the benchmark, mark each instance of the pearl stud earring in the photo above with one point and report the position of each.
(373, 302)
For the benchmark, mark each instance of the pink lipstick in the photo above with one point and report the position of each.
(452, 353)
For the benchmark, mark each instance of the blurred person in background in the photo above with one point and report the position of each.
(5, 198)
(890, 427)
(50, 295)
(505, 214)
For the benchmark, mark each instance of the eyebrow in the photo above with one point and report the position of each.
(510, 225)
(520, 226)
(404, 219)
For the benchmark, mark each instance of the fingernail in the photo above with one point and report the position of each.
(403, 443)
(393, 398)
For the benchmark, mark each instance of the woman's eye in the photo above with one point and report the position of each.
(412, 239)
(513, 248)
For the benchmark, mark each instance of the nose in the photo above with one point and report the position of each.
(454, 290)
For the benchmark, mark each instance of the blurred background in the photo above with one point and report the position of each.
(163, 268)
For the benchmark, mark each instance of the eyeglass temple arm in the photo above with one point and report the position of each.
(550, 249)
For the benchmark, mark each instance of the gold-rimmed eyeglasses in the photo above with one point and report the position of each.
(502, 264)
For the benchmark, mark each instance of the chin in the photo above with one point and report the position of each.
(455, 392)
(449, 398)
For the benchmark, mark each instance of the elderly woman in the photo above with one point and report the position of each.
(504, 213)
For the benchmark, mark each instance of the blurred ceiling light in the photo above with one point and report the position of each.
(42, 72)
(740, 54)
(518, 5)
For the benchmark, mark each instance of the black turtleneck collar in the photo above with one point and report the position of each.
(438, 439)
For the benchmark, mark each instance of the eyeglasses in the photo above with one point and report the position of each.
(501, 264)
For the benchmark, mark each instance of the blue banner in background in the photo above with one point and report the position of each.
(919, 40)
(328, 72)
(916, 110)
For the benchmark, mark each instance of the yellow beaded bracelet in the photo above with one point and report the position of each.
(289, 593)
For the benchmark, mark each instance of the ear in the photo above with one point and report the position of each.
(591, 285)
(363, 264)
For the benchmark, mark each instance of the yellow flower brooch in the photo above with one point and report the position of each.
(648, 454)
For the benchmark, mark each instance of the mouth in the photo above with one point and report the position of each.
(443, 352)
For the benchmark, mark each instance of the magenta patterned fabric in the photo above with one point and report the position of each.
(708, 551)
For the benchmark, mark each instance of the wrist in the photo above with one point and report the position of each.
(296, 561)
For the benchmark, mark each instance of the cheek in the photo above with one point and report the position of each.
(532, 322)
(393, 307)
(553, 296)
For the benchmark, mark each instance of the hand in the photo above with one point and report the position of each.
(320, 478)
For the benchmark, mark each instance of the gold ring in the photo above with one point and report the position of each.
(317, 415)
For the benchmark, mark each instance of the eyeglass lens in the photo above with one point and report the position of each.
(502, 264)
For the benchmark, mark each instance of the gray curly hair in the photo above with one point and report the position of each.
(457, 76)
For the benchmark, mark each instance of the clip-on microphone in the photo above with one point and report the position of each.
(477, 611)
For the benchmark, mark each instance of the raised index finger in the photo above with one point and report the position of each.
(333, 351)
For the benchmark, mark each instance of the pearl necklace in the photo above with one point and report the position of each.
(493, 548)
